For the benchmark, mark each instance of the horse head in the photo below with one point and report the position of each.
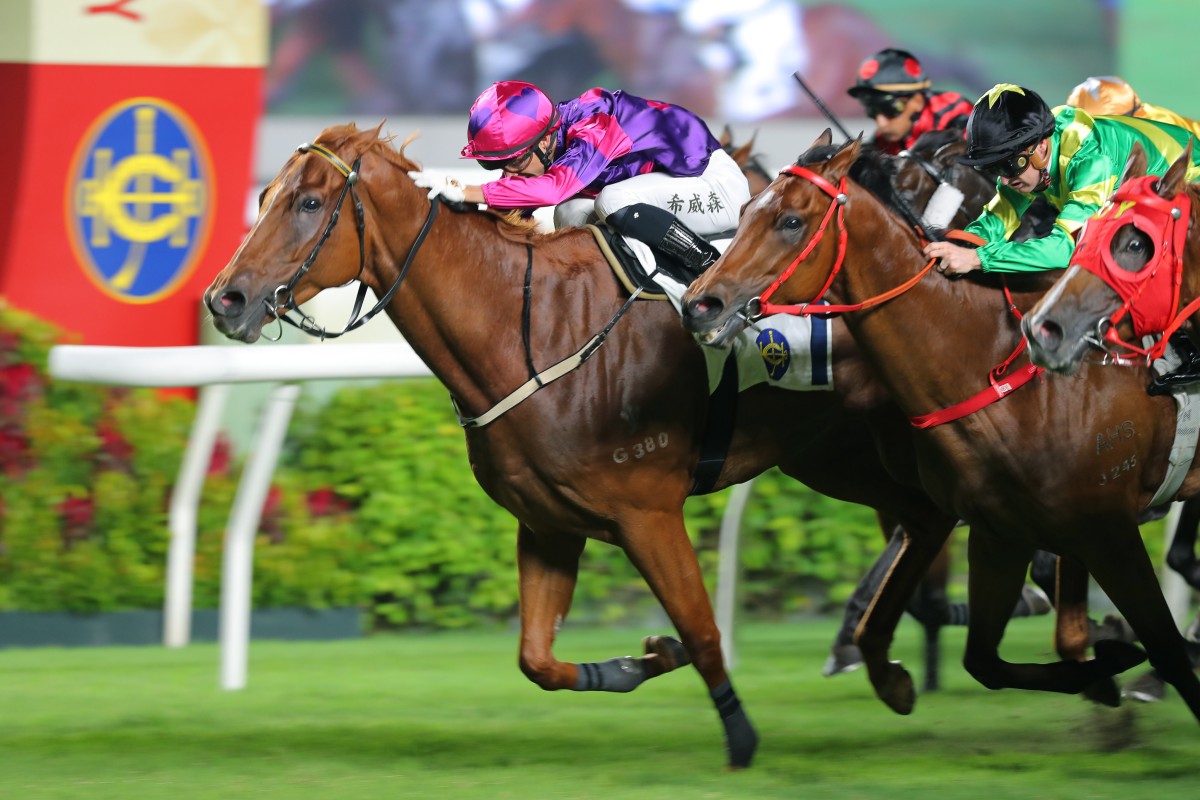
(794, 215)
(1126, 275)
(296, 248)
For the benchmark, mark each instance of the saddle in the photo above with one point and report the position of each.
(631, 270)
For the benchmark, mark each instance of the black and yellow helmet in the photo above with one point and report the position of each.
(1005, 121)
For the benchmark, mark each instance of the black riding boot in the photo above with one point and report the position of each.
(1187, 372)
(663, 231)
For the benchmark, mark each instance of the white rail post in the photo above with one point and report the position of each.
(727, 568)
(181, 518)
(1174, 588)
(237, 566)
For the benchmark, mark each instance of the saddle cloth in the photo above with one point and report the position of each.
(782, 350)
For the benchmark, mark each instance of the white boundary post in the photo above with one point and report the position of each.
(1174, 588)
(185, 502)
(212, 366)
(237, 566)
(727, 568)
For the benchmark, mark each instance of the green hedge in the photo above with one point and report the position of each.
(374, 505)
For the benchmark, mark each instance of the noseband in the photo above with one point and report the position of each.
(280, 308)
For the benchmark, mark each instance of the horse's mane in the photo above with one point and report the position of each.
(874, 170)
(509, 224)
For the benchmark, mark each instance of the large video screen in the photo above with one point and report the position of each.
(726, 60)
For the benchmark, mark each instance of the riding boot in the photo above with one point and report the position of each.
(663, 231)
(1187, 372)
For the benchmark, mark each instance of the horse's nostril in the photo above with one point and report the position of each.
(228, 302)
(1049, 334)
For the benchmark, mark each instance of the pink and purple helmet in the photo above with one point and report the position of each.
(508, 119)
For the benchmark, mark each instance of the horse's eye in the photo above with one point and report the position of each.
(310, 204)
(1136, 245)
(790, 223)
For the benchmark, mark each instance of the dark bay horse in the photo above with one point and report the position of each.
(1059, 465)
(608, 452)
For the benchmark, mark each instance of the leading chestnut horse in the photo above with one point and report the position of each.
(1061, 465)
(609, 450)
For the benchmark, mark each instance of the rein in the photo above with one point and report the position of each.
(306, 323)
(757, 307)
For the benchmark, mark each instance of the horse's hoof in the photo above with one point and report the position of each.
(842, 658)
(1147, 688)
(1115, 656)
(1036, 600)
(1104, 692)
(671, 651)
(896, 689)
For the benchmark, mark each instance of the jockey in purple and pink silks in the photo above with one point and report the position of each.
(650, 170)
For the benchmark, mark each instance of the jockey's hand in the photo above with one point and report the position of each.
(955, 259)
(439, 183)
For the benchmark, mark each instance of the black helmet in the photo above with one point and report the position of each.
(1004, 121)
(889, 72)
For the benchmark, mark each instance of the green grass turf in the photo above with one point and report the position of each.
(450, 716)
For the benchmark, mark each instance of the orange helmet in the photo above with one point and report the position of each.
(1107, 95)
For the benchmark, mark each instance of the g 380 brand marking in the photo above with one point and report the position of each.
(641, 449)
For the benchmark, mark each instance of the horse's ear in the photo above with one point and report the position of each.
(824, 140)
(839, 165)
(1135, 165)
(726, 138)
(1173, 182)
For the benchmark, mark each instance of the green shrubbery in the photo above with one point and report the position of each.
(374, 505)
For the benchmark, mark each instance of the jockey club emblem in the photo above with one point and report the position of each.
(139, 199)
(775, 353)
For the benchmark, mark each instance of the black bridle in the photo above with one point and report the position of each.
(281, 309)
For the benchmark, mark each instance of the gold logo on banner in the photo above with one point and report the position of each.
(140, 200)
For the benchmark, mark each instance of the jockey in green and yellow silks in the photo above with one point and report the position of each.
(1072, 159)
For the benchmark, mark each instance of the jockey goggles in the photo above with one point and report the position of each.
(1010, 167)
(885, 105)
(512, 165)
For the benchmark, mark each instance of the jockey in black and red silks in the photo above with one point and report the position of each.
(894, 91)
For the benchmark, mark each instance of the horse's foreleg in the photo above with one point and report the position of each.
(1071, 625)
(1124, 571)
(548, 566)
(658, 546)
(915, 553)
(997, 572)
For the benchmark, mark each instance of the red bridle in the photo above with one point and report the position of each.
(1149, 296)
(759, 305)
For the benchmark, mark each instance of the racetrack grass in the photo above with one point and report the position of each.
(449, 715)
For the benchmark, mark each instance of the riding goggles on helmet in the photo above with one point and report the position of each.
(886, 105)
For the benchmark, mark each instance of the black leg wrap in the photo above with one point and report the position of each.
(741, 740)
(615, 675)
(663, 231)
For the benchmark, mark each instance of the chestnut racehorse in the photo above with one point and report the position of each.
(610, 450)
(1061, 465)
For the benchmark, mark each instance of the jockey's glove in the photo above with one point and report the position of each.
(439, 183)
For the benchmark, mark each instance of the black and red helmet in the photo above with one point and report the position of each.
(889, 72)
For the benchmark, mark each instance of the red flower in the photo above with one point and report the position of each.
(325, 501)
(218, 462)
(76, 514)
(14, 449)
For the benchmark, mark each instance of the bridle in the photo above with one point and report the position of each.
(758, 307)
(280, 309)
